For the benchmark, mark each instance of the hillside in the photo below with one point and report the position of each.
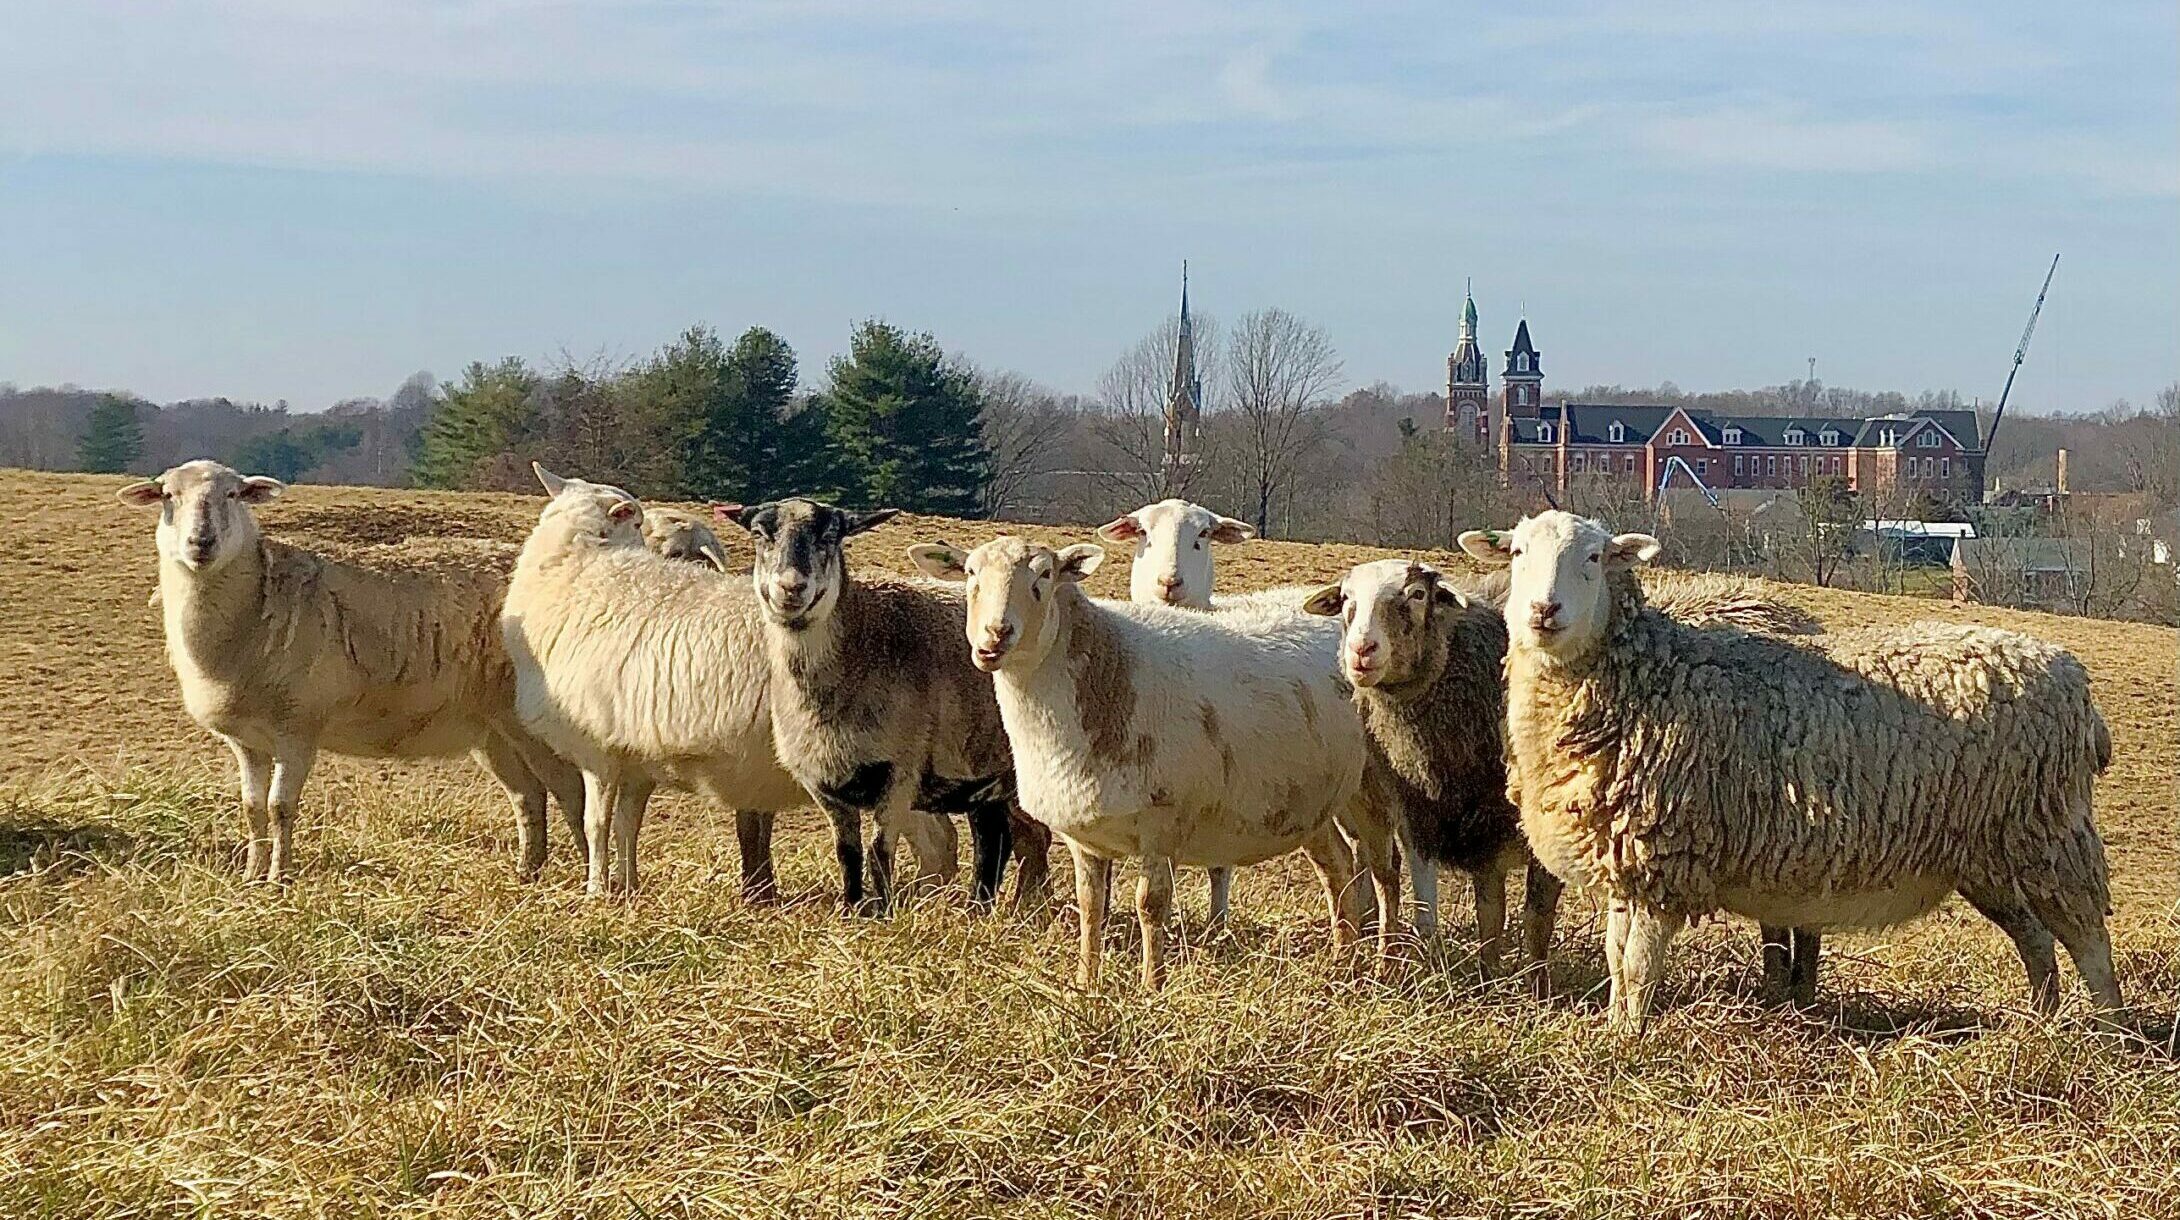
(408, 1029)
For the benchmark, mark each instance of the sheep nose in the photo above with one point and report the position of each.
(1169, 582)
(1544, 614)
(997, 635)
(793, 582)
(1365, 649)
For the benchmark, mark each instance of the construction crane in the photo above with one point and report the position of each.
(1677, 462)
(2020, 354)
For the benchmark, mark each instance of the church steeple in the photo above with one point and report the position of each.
(1468, 387)
(1524, 375)
(1184, 401)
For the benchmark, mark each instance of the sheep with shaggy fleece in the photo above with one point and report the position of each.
(1686, 769)
(283, 653)
(1167, 735)
(678, 535)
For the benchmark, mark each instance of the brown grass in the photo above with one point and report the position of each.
(407, 1030)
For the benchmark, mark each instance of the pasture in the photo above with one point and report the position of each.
(407, 1030)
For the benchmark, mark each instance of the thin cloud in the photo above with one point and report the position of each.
(1770, 141)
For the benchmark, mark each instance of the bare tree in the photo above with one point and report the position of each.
(1129, 420)
(1025, 429)
(1280, 374)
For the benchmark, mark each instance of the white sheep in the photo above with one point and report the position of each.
(1167, 736)
(678, 535)
(282, 653)
(1686, 769)
(874, 708)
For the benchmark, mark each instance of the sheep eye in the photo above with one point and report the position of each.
(1597, 558)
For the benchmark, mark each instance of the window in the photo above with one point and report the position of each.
(1888, 439)
(1618, 432)
(1631, 463)
(1733, 436)
(1771, 465)
(1929, 439)
(1945, 467)
(1795, 436)
(1737, 464)
(1522, 362)
(1578, 462)
(1829, 436)
(1544, 433)
(1680, 436)
(1703, 467)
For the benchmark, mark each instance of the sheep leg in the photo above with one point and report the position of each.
(1336, 869)
(1540, 910)
(1222, 890)
(628, 806)
(2079, 925)
(291, 769)
(600, 790)
(1093, 887)
(1423, 877)
(254, 769)
(897, 819)
(1808, 946)
(1489, 883)
(1377, 852)
(936, 843)
(991, 841)
(1616, 919)
(1642, 961)
(753, 833)
(1778, 963)
(1033, 862)
(848, 850)
(1153, 907)
(2031, 939)
(526, 792)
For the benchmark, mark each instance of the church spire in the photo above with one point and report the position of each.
(1184, 401)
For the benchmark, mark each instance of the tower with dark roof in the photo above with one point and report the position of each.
(1468, 384)
(1523, 375)
(1184, 403)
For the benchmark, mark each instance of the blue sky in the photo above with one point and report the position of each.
(285, 199)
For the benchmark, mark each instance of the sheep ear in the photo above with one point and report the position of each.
(713, 555)
(553, 482)
(940, 559)
(1446, 595)
(1121, 529)
(1488, 547)
(869, 521)
(744, 515)
(1079, 560)
(726, 513)
(1627, 550)
(142, 495)
(261, 489)
(624, 510)
(1230, 530)
(1325, 601)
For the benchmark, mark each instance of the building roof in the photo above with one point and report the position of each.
(2026, 554)
(1591, 424)
(1522, 346)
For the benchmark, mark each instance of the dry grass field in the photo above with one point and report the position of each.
(408, 1031)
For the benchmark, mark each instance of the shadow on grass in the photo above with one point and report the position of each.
(42, 844)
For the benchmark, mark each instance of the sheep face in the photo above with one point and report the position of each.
(1386, 610)
(600, 511)
(204, 511)
(1558, 598)
(801, 565)
(1012, 584)
(1172, 541)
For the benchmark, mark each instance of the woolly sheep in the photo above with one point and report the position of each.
(678, 535)
(1424, 660)
(283, 653)
(1166, 735)
(872, 700)
(1690, 769)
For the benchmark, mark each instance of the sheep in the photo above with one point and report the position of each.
(643, 671)
(1687, 769)
(1172, 567)
(871, 700)
(678, 535)
(283, 653)
(1424, 660)
(1167, 735)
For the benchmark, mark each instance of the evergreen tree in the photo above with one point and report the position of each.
(290, 453)
(905, 423)
(662, 408)
(757, 443)
(113, 438)
(491, 411)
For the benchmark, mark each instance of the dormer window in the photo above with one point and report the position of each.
(1733, 436)
(1829, 436)
(1929, 438)
(1521, 362)
(1795, 436)
(1618, 432)
(1888, 439)
(1680, 436)
(1544, 433)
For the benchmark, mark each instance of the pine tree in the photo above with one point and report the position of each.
(113, 438)
(485, 416)
(743, 447)
(905, 423)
